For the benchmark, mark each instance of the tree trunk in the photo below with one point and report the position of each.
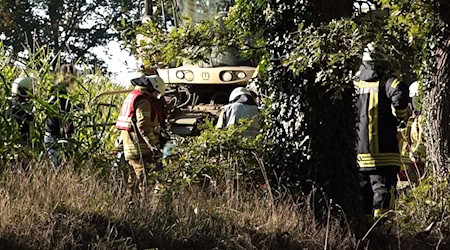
(437, 97)
(313, 135)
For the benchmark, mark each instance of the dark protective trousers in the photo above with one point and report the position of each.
(378, 189)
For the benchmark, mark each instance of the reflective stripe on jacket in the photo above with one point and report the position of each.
(139, 142)
(125, 120)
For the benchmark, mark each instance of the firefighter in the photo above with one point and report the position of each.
(22, 107)
(140, 124)
(417, 150)
(57, 128)
(378, 94)
(241, 106)
(412, 148)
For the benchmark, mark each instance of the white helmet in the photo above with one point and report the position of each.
(154, 80)
(237, 92)
(22, 86)
(372, 53)
(157, 83)
(414, 89)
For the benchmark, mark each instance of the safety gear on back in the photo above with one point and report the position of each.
(237, 92)
(22, 86)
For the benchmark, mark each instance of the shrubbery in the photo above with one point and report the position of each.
(216, 158)
(88, 143)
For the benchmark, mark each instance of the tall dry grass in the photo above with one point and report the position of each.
(46, 209)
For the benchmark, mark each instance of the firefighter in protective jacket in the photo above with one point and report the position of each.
(139, 121)
(242, 106)
(382, 102)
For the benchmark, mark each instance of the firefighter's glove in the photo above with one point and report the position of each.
(156, 151)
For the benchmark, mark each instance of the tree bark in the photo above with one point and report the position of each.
(437, 121)
(313, 135)
(437, 98)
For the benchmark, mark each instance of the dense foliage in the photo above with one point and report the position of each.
(89, 143)
(216, 159)
(70, 27)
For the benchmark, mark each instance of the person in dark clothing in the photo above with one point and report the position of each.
(22, 108)
(382, 102)
(58, 126)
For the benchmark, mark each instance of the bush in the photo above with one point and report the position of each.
(216, 157)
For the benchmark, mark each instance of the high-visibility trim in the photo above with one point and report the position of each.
(367, 87)
(136, 151)
(379, 160)
(364, 84)
(132, 149)
(124, 119)
(373, 123)
(395, 83)
(405, 159)
(123, 125)
(141, 145)
(380, 155)
(364, 165)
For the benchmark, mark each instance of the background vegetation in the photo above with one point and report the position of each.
(293, 187)
(70, 27)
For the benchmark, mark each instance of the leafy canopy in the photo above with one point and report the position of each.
(72, 27)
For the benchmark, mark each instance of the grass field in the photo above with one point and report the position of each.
(47, 209)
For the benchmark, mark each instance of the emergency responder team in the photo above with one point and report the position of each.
(383, 106)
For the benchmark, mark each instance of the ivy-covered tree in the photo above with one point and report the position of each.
(311, 135)
(437, 92)
(72, 27)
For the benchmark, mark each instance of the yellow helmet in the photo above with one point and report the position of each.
(22, 86)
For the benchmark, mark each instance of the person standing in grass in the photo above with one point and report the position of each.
(382, 102)
(59, 125)
(22, 107)
(140, 124)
